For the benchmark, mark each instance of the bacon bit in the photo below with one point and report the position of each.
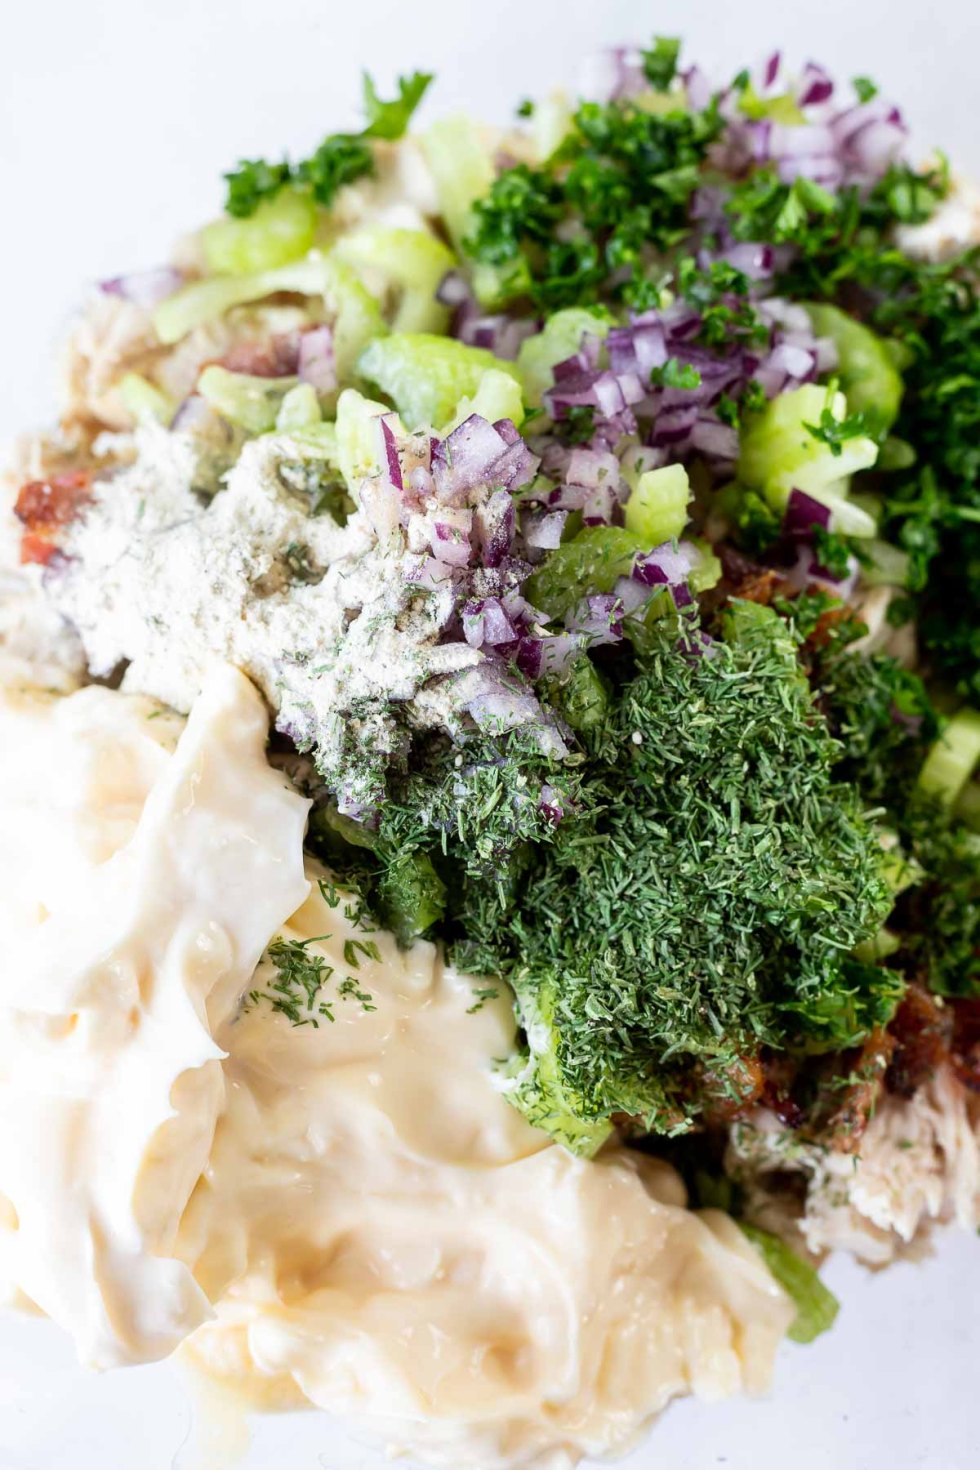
(730, 1092)
(44, 507)
(278, 358)
(34, 550)
(965, 1051)
(823, 629)
(922, 1028)
(854, 1107)
(780, 1073)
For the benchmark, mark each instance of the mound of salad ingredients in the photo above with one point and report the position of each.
(596, 505)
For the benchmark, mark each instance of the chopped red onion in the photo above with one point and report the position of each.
(814, 86)
(453, 289)
(494, 526)
(316, 364)
(389, 446)
(600, 505)
(544, 532)
(551, 804)
(802, 513)
(450, 536)
(666, 565)
(503, 710)
(486, 622)
(599, 618)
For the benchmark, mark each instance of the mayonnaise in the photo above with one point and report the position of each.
(139, 889)
(347, 1214)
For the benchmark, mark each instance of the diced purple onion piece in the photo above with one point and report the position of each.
(544, 532)
(802, 513)
(815, 86)
(666, 565)
(317, 365)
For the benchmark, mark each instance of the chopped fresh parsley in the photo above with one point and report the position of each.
(835, 432)
(591, 221)
(391, 119)
(676, 374)
(660, 61)
(342, 158)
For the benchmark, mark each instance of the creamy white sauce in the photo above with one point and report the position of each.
(138, 891)
(349, 1215)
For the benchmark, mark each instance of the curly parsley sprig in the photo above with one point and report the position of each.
(340, 159)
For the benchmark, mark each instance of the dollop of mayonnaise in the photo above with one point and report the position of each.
(140, 882)
(346, 1213)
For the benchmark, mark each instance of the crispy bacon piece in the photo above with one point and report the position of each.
(855, 1103)
(44, 507)
(746, 579)
(965, 1048)
(922, 1029)
(780, 1073)
(731, 1092)
(36, 551)
(823, 629)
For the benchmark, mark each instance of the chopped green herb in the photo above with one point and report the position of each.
(341, 158)
(660, 61)
(835, 432)
(675, 374)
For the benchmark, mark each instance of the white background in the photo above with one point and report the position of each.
(117, 118)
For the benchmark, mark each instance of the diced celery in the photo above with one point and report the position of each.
(300, 409)
(252, 403)
(319, 440)
(462, 167)
(707, 570)
(425, 376)
(778, 454)
(899, 870)
(358, 441)
(884, 565)
(895, 454)
(357, 318)
(657, 509)
(413, 261)
(496, 286)
(967, 807)
(846, 517)
(334, 833)
(535, 1086)
(498, 396)
(411, 896)
(281, 229)
(642, 627)
(591, 562)
(816, 1307)
(872, 951)
(783, 108)
(581, 697)
(951, 761)
(144, 401)
(560, 338)
(356, 315)
(551, 122)
(868, 376)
